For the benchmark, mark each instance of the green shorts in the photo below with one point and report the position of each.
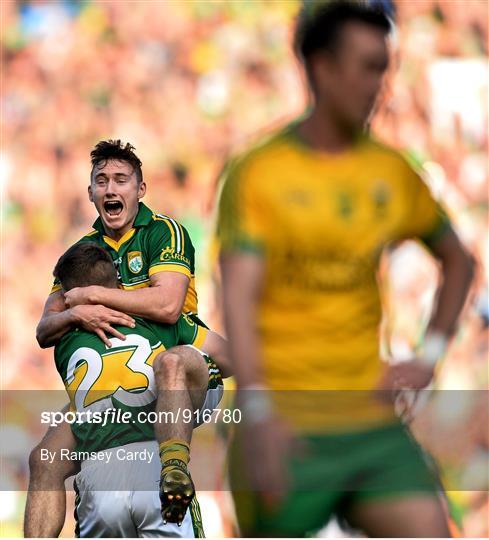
(339, 470)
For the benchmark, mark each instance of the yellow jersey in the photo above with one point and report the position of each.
(320, 222)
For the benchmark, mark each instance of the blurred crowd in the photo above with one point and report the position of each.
(187, 83)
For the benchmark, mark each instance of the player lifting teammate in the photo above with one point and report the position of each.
(120, 377)
(154, 258)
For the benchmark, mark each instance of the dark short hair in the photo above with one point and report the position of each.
(319, 24)
(106, 150)
(85, 264)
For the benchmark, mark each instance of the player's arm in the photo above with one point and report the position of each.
(428, 222)
(242, 278)
(56, 320)
(456, 274)
(171, 258)
(242, 232)
(267, 438)
(161, 302)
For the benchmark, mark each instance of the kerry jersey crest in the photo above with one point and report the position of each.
(135, 261)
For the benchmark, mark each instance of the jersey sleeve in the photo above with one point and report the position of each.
(190, 333)
(170, 248)
(56, 286)
(426, 219)
(241, 220)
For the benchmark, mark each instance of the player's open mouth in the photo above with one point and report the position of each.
(113, 208)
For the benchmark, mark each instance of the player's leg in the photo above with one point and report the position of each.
(46, 498)
(397, 491)
(181, 377)
(307, 505)
(416, 516)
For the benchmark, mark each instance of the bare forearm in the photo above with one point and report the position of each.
(244, 347)
(241, 294)
(53, 326)
(457, 275)
(147, 303)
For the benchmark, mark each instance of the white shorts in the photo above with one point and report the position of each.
(120, 498)
(126, 513)
(212, 399)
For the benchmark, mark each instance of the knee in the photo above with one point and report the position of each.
(168, 364)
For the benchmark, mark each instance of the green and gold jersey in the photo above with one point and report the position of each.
(156, 243)
(103, 383)
(320, 222)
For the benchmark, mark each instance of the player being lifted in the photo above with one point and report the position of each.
(303, 219)
(154, 258)
(121, 377)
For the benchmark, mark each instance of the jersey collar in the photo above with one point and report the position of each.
(144, 216)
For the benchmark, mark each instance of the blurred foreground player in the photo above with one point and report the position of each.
(303, 219)
(117, 497)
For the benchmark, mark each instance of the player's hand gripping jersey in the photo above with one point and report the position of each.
(156, 243)
(320, 222)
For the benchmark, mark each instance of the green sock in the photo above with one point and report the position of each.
(174, 449)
